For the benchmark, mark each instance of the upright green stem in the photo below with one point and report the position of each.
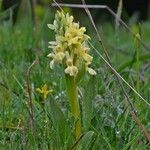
(138, 71)
(74, 103)
(137, 48)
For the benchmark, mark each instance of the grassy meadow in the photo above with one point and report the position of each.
(113, 116)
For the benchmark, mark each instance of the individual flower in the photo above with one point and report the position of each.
(71, 69)
(70, 46)
(91, 71)
(44, 90)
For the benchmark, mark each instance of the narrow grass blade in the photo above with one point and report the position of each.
(86, 141)
(132, 142)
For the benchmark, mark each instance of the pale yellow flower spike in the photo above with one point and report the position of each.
(44, 90)
(71, 44)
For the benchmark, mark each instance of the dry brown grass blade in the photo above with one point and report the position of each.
(141, 126)
(118, 14)
(56, 4)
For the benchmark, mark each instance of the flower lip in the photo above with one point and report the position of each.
(71, 70)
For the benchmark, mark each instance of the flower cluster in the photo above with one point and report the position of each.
(71, 45)
(44, 90)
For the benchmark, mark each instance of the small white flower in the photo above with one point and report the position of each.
(91, 71)
(51, 64)
(51, 26)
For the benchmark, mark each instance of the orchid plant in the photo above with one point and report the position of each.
(71, 50)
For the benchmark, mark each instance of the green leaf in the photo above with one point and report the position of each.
(59, 123)
(86, 141)
(87, 103)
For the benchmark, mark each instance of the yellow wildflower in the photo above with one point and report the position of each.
(44, 90)
(71, 45)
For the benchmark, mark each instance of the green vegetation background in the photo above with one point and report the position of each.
(111, 125)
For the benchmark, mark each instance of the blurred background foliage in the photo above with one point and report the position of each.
(137, 10)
